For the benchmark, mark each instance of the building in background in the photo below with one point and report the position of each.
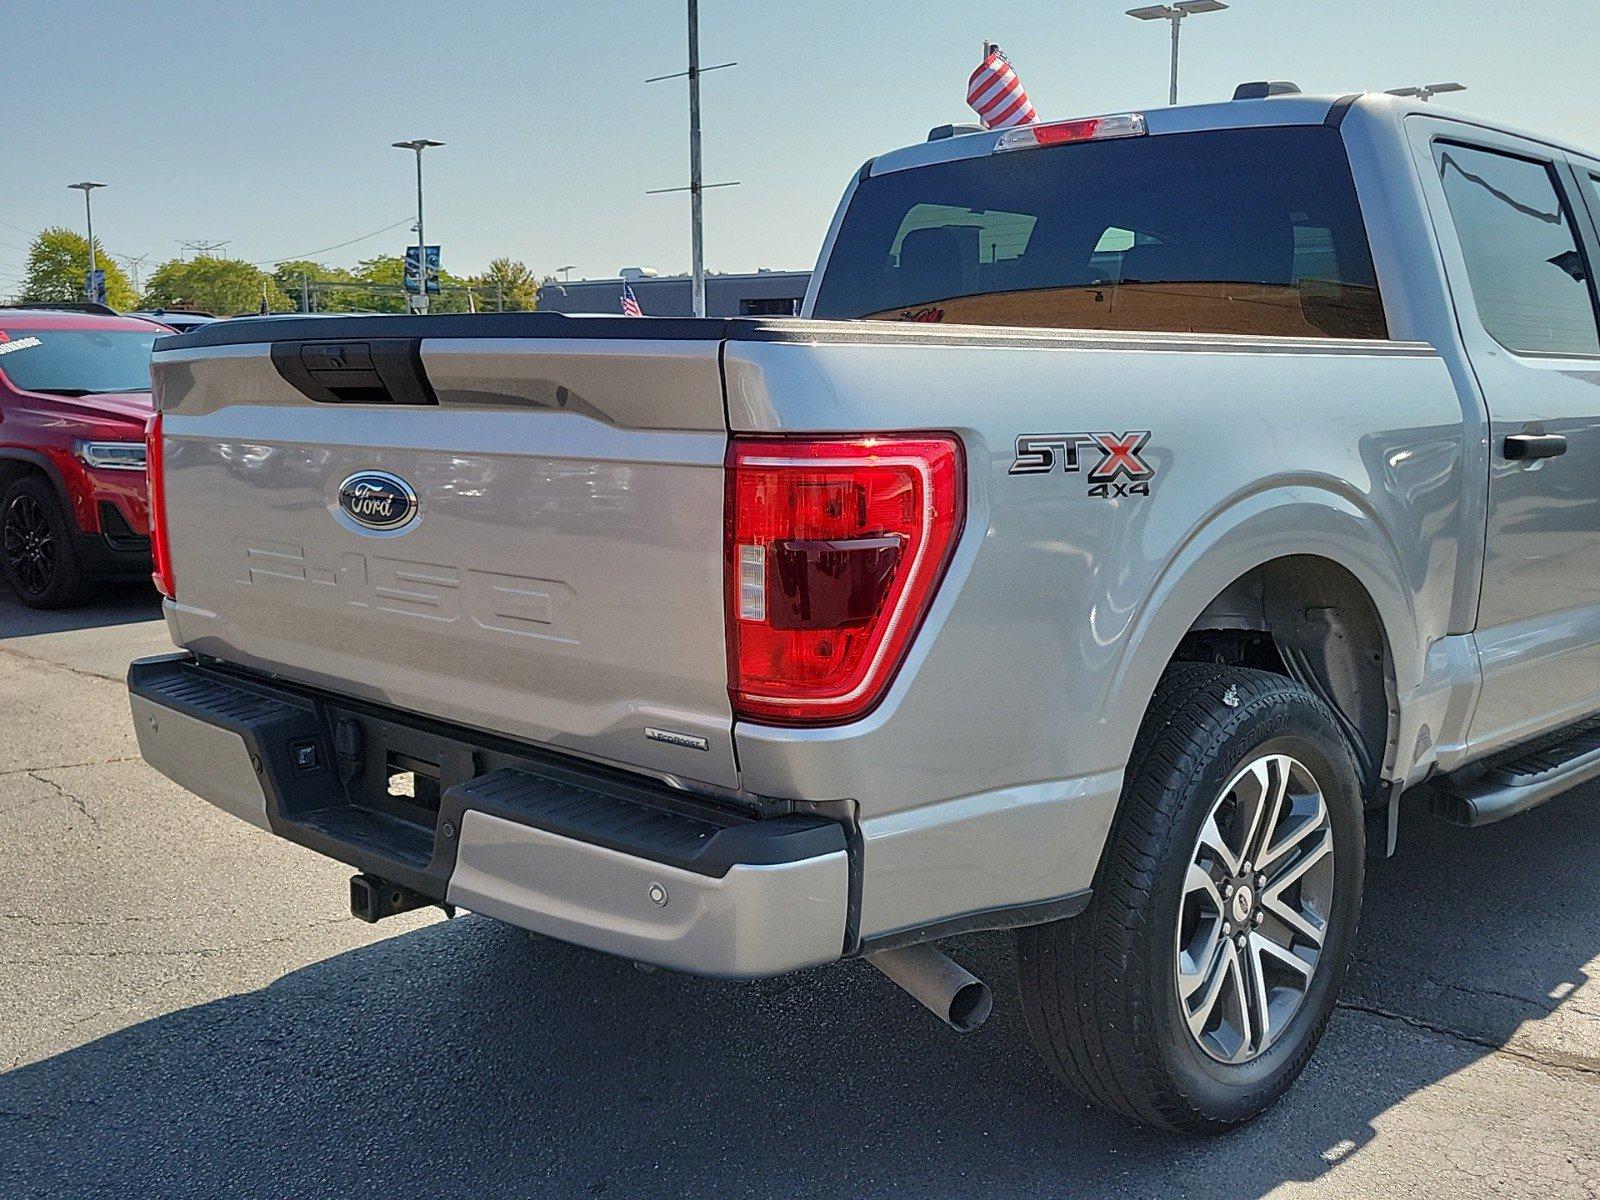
(762, 294)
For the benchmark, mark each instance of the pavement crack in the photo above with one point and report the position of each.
(42, 661)
(72, 766)
(73, 801)
(1583, 1068)
(182, 952)
(1548, 1006)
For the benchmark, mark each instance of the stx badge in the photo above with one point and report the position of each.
(1119, 471)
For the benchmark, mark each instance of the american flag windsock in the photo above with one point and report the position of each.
(630, 302)
(997, 95)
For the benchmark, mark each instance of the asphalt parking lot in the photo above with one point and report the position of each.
(186, 1009)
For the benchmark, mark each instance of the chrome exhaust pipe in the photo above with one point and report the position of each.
(949, 991)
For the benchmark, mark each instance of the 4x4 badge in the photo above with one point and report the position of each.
(1119, 470)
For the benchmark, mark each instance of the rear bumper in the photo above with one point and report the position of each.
(580, 852)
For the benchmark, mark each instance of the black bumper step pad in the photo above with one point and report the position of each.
(703, 840)
(338, 804)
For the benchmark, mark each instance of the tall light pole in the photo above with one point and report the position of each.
(88, 219)
(1428, 91)
(419, 145)
(1175, 13)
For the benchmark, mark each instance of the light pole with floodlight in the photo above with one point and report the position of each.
(1175, 13)
(88, 219)
(1428, 91)
(419, 145)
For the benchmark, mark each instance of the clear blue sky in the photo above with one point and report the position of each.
(268, 124)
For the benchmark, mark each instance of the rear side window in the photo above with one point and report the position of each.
(1529, 278)
(1250, 231)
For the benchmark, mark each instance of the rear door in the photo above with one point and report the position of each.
(1518, 247)
(1586, 171)
(518, 534)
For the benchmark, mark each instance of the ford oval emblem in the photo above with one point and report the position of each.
(378, 500)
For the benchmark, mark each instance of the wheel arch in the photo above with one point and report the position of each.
(1316, 576)
(15, 461)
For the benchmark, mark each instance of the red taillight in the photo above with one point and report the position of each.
(156, 478)
(835, 548)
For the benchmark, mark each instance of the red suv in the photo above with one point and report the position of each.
(74, 400)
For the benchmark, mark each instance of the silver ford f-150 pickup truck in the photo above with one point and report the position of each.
(1141, 505)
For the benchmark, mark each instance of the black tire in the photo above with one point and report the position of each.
(37, 551)
(1100, 991)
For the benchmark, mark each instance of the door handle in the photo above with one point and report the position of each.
(1535, 445)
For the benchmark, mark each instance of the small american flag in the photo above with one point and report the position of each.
(997, 95)
(630, 302)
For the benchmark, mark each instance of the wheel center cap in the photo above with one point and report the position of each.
(1244, 902)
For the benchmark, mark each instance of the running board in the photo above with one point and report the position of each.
(1521, 778)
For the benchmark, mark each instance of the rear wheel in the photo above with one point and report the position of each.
(36, 549)
(1194, 989)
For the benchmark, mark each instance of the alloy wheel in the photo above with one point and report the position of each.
(29, 545)
(1255, 909)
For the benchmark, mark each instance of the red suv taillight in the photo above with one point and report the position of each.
(834, 549)
(156, 478)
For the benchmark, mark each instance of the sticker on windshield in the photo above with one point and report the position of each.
(7, 346)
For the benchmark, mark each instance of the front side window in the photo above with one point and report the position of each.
(1250, 231)
(76, 362)
(1529, 278)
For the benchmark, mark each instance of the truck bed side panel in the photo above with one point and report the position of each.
(989, 775)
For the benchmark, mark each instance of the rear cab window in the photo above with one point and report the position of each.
(76, 362)
(1247, 231)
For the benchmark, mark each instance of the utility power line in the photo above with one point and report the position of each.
(697, 274)
(269, 262)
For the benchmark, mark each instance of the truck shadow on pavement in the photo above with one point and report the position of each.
(113, 604)
(467, 1059)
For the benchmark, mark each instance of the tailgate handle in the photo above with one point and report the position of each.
(369, 371)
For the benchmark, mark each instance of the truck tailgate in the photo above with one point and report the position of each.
(560, 577)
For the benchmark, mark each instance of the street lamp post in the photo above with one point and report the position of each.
(419, 145)
(88, 219)
(1428, 91)
(1175, 13)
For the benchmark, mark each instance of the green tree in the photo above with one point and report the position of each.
(509, 281)
(291, 275)
(388, 272)
(225, 286)
(57, 260)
